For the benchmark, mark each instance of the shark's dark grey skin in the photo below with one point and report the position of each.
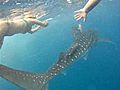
(83, 41)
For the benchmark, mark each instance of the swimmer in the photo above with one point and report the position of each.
(12, 27)
(82, 13)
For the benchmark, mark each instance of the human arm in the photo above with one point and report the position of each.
(82, 13)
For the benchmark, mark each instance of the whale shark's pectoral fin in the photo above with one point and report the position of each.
(26, 80)
(106, 41)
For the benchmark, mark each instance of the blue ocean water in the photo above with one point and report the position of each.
(37, 52)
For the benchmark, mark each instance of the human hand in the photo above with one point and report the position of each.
(45, 23)
(80, 14)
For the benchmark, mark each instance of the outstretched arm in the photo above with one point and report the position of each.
(90, 5)
(82, 13)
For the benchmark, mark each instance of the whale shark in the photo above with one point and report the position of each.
(83, 42)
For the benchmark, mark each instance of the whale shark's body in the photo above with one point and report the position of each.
(83, 41)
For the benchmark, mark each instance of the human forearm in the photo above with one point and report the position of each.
(90, 5)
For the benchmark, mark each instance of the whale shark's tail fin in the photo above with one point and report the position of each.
(26, 80)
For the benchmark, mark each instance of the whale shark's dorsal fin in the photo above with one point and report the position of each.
(45, 87)
(26, 80)
(61, 55)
